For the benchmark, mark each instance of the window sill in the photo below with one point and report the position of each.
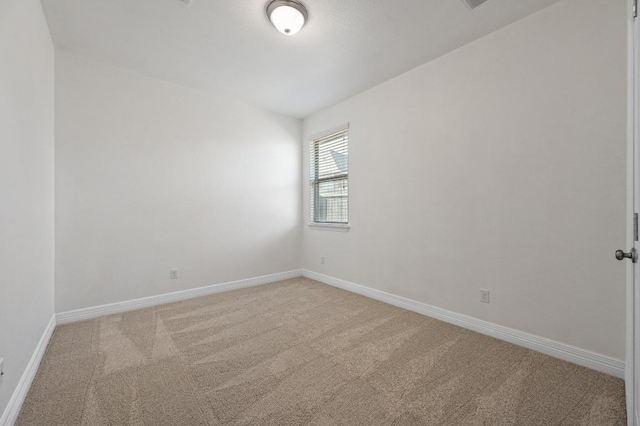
(340, 227)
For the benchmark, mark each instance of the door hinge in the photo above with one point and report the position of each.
(634, 9)
(635, 227)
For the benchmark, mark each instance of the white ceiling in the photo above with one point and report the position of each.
(346, 47)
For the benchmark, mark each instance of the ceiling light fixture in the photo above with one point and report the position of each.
(288, 16)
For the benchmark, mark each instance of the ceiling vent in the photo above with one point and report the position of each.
(472, 4)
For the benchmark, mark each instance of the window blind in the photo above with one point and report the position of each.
(329, 178)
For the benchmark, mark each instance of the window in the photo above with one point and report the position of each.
(329, 179)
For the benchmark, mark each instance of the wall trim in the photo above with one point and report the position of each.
(12, 409)
(549, 347)
(546, 346)
(145, 302)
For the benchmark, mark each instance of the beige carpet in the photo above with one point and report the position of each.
(302, 353)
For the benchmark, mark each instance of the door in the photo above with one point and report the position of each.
(633, 202)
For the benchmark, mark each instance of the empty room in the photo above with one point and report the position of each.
(319, 212)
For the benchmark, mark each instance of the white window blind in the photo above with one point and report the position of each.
(329, 178)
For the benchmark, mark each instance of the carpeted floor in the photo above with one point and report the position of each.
(302, 353)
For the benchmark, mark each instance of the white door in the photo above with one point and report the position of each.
(633, 185)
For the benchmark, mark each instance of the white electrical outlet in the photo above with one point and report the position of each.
(322, 260)
(174, 274)
(1, 369)
(484, 295)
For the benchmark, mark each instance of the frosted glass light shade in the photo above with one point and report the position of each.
(287, 16)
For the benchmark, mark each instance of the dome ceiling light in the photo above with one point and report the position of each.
(288, 16)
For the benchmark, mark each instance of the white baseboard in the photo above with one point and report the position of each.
(12, 409)
(549, 347)
(552, 348)
(145, 302)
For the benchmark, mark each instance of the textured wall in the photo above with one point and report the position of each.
(152, 176)
(500, 165)
(26, 186)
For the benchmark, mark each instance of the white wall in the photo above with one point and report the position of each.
(500, 165)
(26, 186)
(152, 176)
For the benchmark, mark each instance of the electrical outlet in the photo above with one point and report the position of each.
(322, 260)
(174, 274)
(1, 369)
(484, 295)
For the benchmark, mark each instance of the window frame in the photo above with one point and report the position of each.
(313, 183)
